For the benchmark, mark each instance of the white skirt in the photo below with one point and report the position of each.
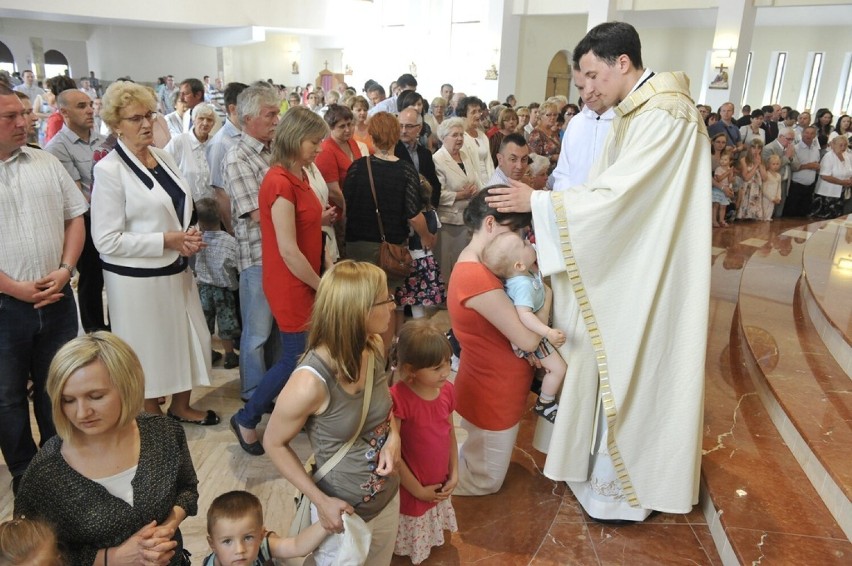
(162, 320)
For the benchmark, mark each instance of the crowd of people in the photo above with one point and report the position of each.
(265, 215)
(778, 162)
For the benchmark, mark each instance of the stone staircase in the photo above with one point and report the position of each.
(777, 466)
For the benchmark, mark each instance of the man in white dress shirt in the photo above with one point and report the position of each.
(804, 177)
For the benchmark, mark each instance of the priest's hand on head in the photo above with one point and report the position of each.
(515, 198)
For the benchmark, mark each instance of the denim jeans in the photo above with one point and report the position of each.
(292, 346)
(257, 327)
(29, 338)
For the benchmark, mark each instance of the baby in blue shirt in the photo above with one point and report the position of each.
(513, 259)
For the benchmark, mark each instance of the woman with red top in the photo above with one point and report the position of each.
(492, 383)
(339, 150)
(291, 233)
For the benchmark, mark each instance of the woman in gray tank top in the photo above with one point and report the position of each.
(325, 394)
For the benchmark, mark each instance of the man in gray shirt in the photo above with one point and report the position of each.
(74, 145)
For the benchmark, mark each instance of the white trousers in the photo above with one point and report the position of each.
(484, 459)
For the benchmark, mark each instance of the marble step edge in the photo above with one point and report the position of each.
(836, 341)
(832, 496)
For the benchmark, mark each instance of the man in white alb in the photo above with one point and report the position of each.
(584, 138)
(629, 256)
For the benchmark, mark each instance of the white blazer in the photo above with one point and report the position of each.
(129, 219)
(453, 179)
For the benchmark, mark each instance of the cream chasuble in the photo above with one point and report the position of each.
(629, 255)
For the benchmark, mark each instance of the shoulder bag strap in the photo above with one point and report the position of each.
(375, 200)
(368, 394)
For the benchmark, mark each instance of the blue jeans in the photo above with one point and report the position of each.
(257, 328)
(29, 338)
(293, 346)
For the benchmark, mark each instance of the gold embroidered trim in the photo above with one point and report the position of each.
(610, 410)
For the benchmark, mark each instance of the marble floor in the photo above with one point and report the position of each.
(532, 520)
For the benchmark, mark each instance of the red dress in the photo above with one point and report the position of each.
(492, 384)
(425, 434)
(290, 299)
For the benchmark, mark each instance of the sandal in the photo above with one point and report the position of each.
(546, 411)
(210, 419)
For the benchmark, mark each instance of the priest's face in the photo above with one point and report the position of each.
(610, 83)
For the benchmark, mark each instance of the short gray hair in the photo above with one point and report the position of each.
(447, 125)
(206, 110)
(252, 99)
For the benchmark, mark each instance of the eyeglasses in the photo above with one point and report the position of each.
(570, 114)
(137, 119)
(550, 115)
(409, 126)
(388, 301)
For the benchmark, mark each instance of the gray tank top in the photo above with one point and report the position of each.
(353, 479)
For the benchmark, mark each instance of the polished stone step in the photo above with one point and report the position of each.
(757, 498)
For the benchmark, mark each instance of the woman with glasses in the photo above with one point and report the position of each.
(339, 150)
(142, 226)
(568, 112)
(544, 139)
(343, 362)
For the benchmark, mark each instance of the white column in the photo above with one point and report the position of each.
(601, 11)
(731, 44)
(510, 42)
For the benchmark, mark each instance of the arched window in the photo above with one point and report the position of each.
(559, 75)
(7, 61)
(55, 63)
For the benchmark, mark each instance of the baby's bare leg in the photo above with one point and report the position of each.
(555, 368)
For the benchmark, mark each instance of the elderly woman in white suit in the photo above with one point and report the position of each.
(458, 172)
(141, 225)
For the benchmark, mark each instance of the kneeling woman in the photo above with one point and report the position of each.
(326, 395)
(114, 484)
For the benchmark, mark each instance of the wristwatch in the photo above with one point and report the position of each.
(71, 269)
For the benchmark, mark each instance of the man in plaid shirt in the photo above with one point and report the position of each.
(245, 167)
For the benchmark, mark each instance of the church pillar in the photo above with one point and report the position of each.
(723, 78)
(601, 11)
(510, 42)
(37, 50)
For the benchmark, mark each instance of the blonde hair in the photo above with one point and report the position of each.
(297, 125)
(345, 295)
(421, 344)
(502, 253)
(22, 539)
(121, 94)
(122, 365)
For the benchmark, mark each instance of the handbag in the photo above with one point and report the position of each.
(302, 518)
(394, 259)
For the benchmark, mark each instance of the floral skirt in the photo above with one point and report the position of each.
(424, 285)
(417, 535)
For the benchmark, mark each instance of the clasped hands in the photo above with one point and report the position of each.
(150, 545)
(186, 243)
